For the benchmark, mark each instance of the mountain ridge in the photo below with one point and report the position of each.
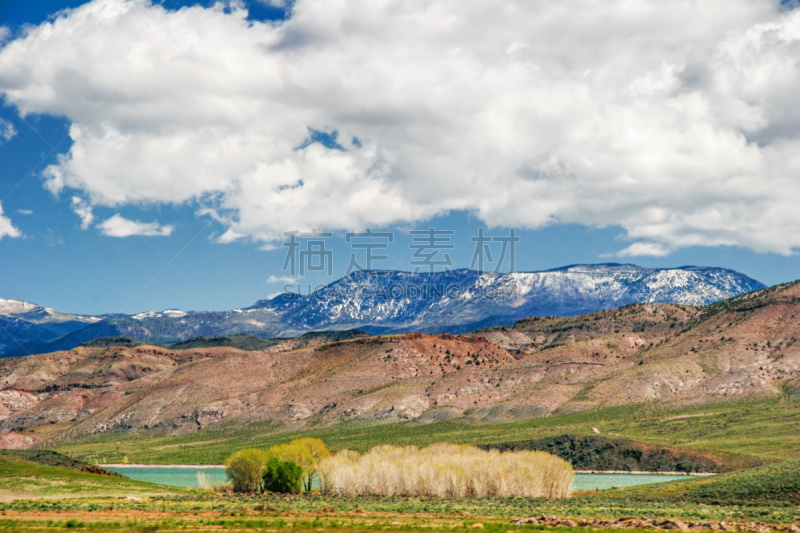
(393, 302)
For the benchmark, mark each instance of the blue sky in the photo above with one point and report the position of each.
(58, 263)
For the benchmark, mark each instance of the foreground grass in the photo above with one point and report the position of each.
(24, 479)
(201, 507)
(765, 495)
(202, 522)
(763, 430)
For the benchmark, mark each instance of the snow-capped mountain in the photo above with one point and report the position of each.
(23, 322)
(467, 299)
(394, 302)
(40, 315)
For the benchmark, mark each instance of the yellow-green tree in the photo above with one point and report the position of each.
(307, 453)
(318, 452)
(245, 468)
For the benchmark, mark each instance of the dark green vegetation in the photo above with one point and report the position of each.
(105, 342)
(734, 435)
(51, 458)
(284, 477)
(593, 452)
(241, 342)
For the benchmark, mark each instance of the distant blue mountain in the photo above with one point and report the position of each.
(396, 302)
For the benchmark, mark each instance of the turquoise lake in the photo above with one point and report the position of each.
(187, 477)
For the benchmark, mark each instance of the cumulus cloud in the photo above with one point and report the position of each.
(673, 120)
(82, 208)
(6, 227)
(644, 248)
(118, 226)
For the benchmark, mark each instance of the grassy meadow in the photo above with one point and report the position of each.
(763, 499)
(200, 522)
(25, 479)
(763, 430)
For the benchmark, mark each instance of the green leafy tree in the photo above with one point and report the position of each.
(307, 453)
(245, 469)
(283, 476)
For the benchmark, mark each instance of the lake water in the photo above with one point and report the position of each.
(176, 477)
(187, 477)
(607, 481)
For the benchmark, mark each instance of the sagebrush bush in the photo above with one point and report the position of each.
(204, 482)
(446, 470)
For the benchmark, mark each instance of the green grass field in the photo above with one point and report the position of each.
(24, 479)
(774, 485)
(743, 433)
(208, 522)
(63, 499)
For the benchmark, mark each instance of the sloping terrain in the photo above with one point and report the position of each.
(675, 355)
(22, 479)
(117, 389)
(52, 458)
(387, 302)
(772, 483)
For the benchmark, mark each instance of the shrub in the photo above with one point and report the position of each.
(245, 468)
(283, 476)
(446, 470)
(204, 482)
(307, 453)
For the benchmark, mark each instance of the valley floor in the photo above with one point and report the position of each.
(321, 514)
(740, 434)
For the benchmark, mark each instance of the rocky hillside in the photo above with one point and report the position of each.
(675, 354)
(398, 302)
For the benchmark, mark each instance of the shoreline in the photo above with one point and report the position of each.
(645, 472)
(122, 465)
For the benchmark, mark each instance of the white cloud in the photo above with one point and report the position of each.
(7, 129)
(644, 248)
(684, 133)
(82, 208)
(118, 226)
(6, 227)
(281, 279)
(24, 211)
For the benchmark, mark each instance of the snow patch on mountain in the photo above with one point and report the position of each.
(15, 307)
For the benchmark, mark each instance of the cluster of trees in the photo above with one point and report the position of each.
(446, 470)
(287, 468)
